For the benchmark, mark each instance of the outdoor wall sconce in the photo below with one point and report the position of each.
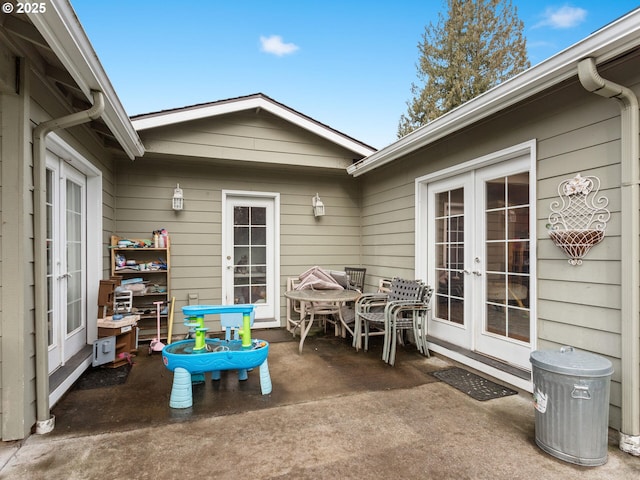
(318, 206)
(178, 199)
(578, 220)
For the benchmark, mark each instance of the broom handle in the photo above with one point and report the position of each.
(173, 301)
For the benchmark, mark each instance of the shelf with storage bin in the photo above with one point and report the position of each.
(144, 269)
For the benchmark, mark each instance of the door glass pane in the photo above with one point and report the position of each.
(496, 320)
(250, 254)
(495, 193)
(507, 252)
(241, 235)
(49, 247)
(495, 225)
(449, 304)
(496, 256)
(518, 224)
(75, 218)
(518, 193)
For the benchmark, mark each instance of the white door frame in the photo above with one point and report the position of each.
(422, 238)
(94, 241)
(269, 317)
(459, 334)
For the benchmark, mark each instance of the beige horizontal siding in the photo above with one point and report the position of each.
(576, 132)
(247, 136)
(145, 188)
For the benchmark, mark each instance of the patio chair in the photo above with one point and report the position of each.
(383, 313)
(408, 315)
(294, 309)
(356, 282)
(356, 277)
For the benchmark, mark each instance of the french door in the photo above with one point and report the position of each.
(66, 260)
(250, 267)
(479, 239)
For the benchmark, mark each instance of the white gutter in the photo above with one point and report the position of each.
(605, 44)
(44, 421)
(630, 281)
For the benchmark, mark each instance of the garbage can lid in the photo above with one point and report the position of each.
(572, 362)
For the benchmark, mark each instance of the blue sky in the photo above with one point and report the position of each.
(346, 63)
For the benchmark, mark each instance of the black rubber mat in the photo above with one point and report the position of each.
(97, 377)
(473, 385)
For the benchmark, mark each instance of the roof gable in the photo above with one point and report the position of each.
(250, 102)
(246, 136)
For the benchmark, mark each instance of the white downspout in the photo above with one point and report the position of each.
(630, 281)
(44, 421)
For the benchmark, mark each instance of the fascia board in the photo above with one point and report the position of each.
(206, 111)
(62, 31)
(603, 45)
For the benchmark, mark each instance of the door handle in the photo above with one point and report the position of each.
(64, 275)
(477, 273)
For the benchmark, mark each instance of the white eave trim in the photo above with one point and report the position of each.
(604, 45)
(60, 28)
(187, 114)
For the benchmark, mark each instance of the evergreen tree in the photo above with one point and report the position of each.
(477, 46)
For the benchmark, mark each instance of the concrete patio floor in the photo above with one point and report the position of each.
(333, 413)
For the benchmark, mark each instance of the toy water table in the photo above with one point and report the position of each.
(190, 359)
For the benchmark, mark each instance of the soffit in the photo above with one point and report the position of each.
(25, 40)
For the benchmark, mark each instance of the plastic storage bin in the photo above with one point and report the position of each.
(571, 398)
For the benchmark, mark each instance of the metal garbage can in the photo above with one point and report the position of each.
(571, 398)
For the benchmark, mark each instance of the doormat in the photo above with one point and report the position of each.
(472, 384)
(98, 377)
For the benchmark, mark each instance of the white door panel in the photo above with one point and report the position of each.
(479, 226)
(250, 247)
(66, 260)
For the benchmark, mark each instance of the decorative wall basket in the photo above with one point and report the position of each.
(576, 243)
(578, 220)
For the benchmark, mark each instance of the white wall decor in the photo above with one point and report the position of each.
(578, 220)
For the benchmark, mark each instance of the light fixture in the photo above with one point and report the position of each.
(178, 199)
(318, 206)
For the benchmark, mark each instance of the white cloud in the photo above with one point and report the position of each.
(562, 17)
(276, 46)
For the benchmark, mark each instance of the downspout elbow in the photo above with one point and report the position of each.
(593, 82)
(73, 119)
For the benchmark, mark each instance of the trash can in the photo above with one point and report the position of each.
(571, 398)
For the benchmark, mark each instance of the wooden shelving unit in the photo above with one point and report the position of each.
(152, 265)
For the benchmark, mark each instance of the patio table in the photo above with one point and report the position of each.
(316, 298)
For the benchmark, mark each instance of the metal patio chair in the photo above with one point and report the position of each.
(411, 316)
(387, 313)
(295, 316)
